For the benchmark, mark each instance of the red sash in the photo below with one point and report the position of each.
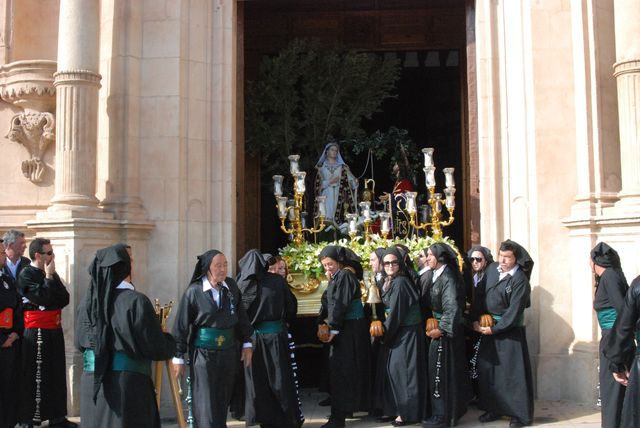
(6, 318)
(49, 320)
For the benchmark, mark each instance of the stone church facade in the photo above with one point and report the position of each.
(122, 120)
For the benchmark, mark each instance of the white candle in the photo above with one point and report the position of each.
(384, 222)
(352, 222)
(292, 211)
(438, 198)
(411, 201)
(450, 197)
(294, 164)
(282, 206)
(277, 185)
(430, 175)
(300, 188)
(322, 206)
(365, 207)
(428, 156)
(448, 177)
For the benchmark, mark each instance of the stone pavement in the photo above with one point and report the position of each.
(547, 414)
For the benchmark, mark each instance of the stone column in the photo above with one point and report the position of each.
(627, 73)
(77, 83)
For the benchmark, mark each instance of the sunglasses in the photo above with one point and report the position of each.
(392, 263)
(48, 253)
(476, 259)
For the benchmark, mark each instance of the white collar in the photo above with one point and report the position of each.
(511, 272)
(124, 285)
(206, 285)
(438, 272)
(423, 270)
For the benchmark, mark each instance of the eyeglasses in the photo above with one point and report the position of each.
(48, 253)
(391, 263)
(476, 259)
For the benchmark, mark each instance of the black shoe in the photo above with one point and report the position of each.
(65, 423)
(488, 417)
(383, 419)
(326, 402)
(25, 426)
(334, 423)
(401, 423)
(516, 423)
(435, 421)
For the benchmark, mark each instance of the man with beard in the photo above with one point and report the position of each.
(43, 391)
(505, 382)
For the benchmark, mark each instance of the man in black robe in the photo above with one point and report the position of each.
(608, 301)
(210, 321)
(620, 350)
(448, 383)
(271, 395)
(43, 391)
(15, 244)
(11, 327)
(505, 382)
(120, 335)
(348, 335)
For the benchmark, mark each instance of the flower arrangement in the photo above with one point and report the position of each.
(304, 258)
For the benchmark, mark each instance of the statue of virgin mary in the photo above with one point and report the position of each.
(335, 181)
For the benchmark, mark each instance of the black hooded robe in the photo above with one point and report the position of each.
(42, 294)
(349, 353)
(620, 351)
(10, 322)
(449, 389)
(404, 350)
(505, 381)
(212, 371)
(271, 396)
(610, 293)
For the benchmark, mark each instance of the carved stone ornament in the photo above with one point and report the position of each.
(29, 85)
(35, 131)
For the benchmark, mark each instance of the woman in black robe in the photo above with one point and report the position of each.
(210, 323)
(348, 335)
(403, 343)
(608, 301)
(378, 351)
(505, 381)
(120, 335)
(448, 382)
(271, 396)
(11, 326)
(620, 350)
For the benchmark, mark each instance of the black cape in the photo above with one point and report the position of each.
(47, 294)
(9, 357)
(212, 372)
(448, 381)
(505, 381)
(620, 351)
(125, 399)
(349, 353)
(403, 352)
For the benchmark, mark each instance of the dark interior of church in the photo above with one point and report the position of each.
(429, 38)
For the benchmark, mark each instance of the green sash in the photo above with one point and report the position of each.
(268, 327)
(214, 338)
(519, 321)
(355, 311)
(413, 316)
(606, 317)
(120, 362)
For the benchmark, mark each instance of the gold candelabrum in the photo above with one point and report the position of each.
(293, 209)
(162, 313)
(435, 200)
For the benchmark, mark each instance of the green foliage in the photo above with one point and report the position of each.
(307, 93)
(304, 258)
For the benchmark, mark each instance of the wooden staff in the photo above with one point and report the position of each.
(162, 313)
